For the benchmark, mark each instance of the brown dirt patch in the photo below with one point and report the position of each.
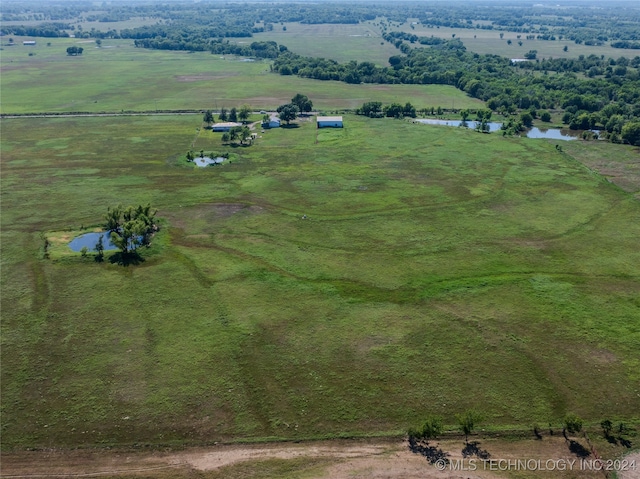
(631, 473)
(603, 356)
(212, 214)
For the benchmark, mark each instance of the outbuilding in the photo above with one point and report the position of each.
(29, 42)
(225, 126)
(329, 122)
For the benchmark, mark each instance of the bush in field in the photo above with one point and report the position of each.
(468, 422)
(572, 424)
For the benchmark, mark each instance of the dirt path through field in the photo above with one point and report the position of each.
(357, 459)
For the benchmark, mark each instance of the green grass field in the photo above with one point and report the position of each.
(438, 269)
(343, 43)
(119, 77)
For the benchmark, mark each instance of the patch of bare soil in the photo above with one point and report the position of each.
(209, 459)
(211, 213)
(549, 458)
(631, 467)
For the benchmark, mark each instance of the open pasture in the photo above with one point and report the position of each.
(438, 269)
(489, 42)
(341, 42)
(118, 76)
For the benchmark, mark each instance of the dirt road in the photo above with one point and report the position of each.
(347, 459)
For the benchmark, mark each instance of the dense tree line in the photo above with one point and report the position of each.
(47, 30)
(626, 44)
(218, 46)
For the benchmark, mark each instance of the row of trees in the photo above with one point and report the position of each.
(375, 109)
(572, 424)
(237, 133)
(233, 114)
(433, 426)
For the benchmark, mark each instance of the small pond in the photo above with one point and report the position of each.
(470, 124)
(551, 133)
(206, 161)
(90, 240)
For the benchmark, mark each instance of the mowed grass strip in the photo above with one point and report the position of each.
(437, 269)
(119, 77)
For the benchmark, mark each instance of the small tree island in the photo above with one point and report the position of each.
(130, 227)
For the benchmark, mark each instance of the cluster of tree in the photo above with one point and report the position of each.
(626, 44)
(299, 104)
(130, 227)
(288, 112)
(191, 156)
(375, 109)
(397, 37)
(73, 51)
(237, 133)
(302, 102)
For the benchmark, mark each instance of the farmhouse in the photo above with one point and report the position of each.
(224, 126)
(329, 121)
(274, 122)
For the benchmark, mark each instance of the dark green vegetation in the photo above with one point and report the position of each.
(438, 270)
(74, 51)
(130, 227)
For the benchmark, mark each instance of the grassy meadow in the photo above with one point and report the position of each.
(341, 42)
(437, 270)
(117, 76)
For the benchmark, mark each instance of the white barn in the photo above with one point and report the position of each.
(224, 126)
(329, 122)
